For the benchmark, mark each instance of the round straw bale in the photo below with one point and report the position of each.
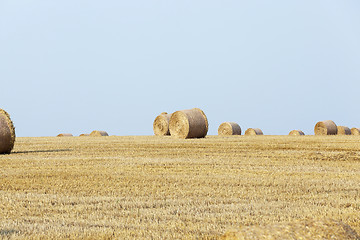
(84, 135)
(97, 133)
(229, 128)
(7, 133)
(327, 127)
(342, 130)
(253, 131)
(307, 229)
(190, 123)
(64, 135)
(296, 133)
(161, 124)
(355, 131)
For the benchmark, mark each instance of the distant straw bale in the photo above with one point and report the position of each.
(161, 124)
(84, 135)
(229, 128)
(304, 229)
(97, 133)
(296, 133)
(342, 130)
(253, 131)
(327, 127)
(355, 131)
(64, 135)
(7, 133)
(190, 123)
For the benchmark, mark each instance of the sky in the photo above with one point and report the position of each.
(74, 66)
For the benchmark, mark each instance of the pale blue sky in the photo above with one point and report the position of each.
(79, 65)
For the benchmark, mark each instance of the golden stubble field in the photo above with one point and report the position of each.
(164, 188)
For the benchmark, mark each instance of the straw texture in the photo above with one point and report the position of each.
(253, 131)
(327, 127)
(355, 131)
(64, 135)
(97, 133)
(342, 130)
(296, 133)
(7, 133)
(161, 124)
(306, 230)
(229, 128)
(190, 123)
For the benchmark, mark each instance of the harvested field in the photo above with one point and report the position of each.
(149, 187)
(307, 229)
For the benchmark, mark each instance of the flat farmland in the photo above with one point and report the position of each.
(148, 187)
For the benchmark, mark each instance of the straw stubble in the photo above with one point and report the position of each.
(307, 229)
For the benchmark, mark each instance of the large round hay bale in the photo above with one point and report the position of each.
(84, 135)
(190, 123)
(253, 132)
(342, 130)
(161, 124)
(64, 135)
(229, 128)
(7, 133)
(97, 133)
(302, 229)
(355, 131)
(296, 133)
(327, 127)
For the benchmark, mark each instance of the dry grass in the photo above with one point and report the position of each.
(167, 188)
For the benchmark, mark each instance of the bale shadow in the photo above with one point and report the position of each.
(43, 151)
(7, 232)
